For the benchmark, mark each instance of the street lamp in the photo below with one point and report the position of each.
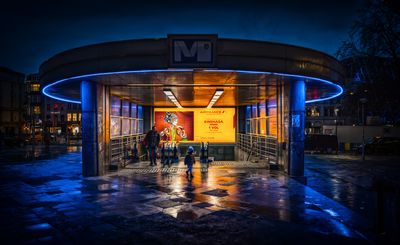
(363, 101)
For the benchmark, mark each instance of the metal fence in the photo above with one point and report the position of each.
(121, 148)
(258, 146)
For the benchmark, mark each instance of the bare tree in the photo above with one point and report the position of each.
(376, 33)
(373, 47)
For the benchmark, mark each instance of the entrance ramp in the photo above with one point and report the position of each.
(239, 164)
(214, 165)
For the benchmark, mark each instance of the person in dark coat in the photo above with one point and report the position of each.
(152, 140)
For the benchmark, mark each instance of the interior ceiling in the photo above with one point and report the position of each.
(194, 89)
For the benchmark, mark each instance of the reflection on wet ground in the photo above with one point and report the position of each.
(35, 152)
(352, 182)
(48, 201)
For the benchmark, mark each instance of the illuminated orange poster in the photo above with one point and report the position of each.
(216, 125)
(175, 125)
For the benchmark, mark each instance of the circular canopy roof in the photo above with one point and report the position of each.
(139, 70)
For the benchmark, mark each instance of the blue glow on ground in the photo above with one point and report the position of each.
(45, 92)
(331, 212)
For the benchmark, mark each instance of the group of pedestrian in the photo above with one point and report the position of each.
(169, 154)
(152, 141)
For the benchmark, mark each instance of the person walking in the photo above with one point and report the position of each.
(152, 140)
(189, 161)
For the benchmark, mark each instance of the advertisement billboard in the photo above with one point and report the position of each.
(215, 125)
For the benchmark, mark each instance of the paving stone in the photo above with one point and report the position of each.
(181, 199)
(203, 204)
(216, 192)
(166, 204)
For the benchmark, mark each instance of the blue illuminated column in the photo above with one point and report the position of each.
(297, 98)
(89, 129)
(94, 128)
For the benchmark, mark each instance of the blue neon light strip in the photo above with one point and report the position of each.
(45, 92)
(338, 87)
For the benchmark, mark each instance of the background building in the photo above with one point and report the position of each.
(367, 109)
(46, 115)
(62, 120)
(33, 108)
(11, 105)
(322, 114)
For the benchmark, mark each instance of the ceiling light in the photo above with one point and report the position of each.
(215, 97)
(172, 97)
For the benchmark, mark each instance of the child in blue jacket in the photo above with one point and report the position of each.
(189, 161)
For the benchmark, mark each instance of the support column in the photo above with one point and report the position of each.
(148, 120)
(94, 128)
(297, 98)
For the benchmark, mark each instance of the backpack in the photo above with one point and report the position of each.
(189, 160)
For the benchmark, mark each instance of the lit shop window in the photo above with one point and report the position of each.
(35, 87)
(36, 110)
(74, 117)
(69, 117)
(79, 117)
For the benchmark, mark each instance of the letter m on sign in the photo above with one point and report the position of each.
(192, 51)
(199, 51)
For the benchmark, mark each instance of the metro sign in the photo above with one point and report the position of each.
(192, 51)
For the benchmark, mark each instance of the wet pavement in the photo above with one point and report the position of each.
(353, 183)
(35, 152)
(47, 201)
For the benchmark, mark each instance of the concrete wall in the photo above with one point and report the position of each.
(353, 134)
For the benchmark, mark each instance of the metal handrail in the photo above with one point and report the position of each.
(260, 146)
(120, 148)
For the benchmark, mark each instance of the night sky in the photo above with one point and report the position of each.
(33, 31)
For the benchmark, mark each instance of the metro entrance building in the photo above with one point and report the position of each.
(243, 97)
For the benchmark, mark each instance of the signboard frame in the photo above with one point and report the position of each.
(188, 41)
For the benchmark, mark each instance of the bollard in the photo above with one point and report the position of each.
(162, 154)
(125, 153)
(202, 153)
(379, 188)
(175, 153)
(169, 155)
(207, 150)
(135, 153)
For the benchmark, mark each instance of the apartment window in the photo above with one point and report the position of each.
(35, 87)
(79, 117)
(74, 117)
(69, 117)
(308, 112)
(315, 112)
(36, 110)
